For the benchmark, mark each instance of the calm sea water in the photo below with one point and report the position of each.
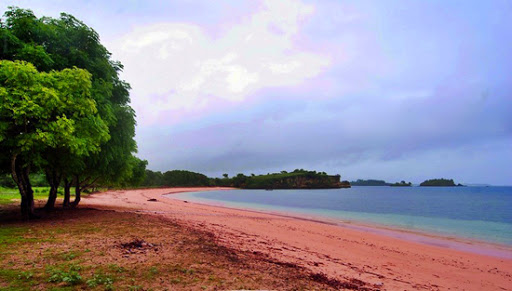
(483, 213)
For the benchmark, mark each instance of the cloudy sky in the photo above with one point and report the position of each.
(394, 90)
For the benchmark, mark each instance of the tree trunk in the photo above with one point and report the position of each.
(53, 179)
(77, 192)
(20, 176)
(67, 193)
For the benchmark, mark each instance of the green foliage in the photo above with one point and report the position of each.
(116, 268)
(401, 184)
(174, 178)
(240, 180)
(153, 179)
(91, 127)
(18, 280)
(48, 110)
(48, 116)
(138, 172)
(26, 275)
(68, 256)
(299, 178)
(10, 235)
(38, 180)
(438, 182)
(369, 182)
(283, 180)
(11, 195)
(184, 178)
(6, 181)
(101, 279)
(70, 277)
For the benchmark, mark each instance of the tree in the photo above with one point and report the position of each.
(153, 179)
(66, 42)
(177, 178)
(41, 115)
(138, 173)
(225, 175)
(240, 180)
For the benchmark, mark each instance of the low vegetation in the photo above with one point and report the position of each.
(11, 195)
(372, 182)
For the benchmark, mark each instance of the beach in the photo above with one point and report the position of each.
(378, 260)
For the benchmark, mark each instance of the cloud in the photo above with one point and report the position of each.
(427, 135)
(179, 67)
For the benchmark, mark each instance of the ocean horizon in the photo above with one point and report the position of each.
(475, 213)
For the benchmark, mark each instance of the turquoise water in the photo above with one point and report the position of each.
(483, 213)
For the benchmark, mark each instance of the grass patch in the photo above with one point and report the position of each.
(18, 279)
(101, 279)
(14, 235)
(12, 195)
(8, 195)
(68, 256)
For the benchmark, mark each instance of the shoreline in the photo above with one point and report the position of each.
(339, 252)
(454, 242)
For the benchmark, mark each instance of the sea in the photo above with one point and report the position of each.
(475, 213)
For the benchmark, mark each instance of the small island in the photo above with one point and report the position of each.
(401, 184)
(298, 179)
(373, 182)
(369, 182)
(440, 183)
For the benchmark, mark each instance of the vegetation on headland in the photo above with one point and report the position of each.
(372, 182)
(175, 178)
(64, 111)
(369, 182)
(401, 184)
(298, 179)
(440, 182)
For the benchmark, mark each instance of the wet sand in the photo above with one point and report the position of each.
(375, 256)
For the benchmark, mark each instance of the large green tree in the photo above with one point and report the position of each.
(65, 42)
(42, 114)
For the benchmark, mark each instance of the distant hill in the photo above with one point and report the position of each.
(401, 184)
(440, 182)
(369, 182)
(373, 182)
(298, 179)
(175, 178)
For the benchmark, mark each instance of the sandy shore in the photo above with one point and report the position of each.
(339, 252)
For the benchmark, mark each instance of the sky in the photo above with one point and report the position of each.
(394, 90)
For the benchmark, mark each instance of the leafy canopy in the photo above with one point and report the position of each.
(40, 110)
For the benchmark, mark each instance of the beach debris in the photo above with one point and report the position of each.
(351, 284)
(138, 246)
(152, 200)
